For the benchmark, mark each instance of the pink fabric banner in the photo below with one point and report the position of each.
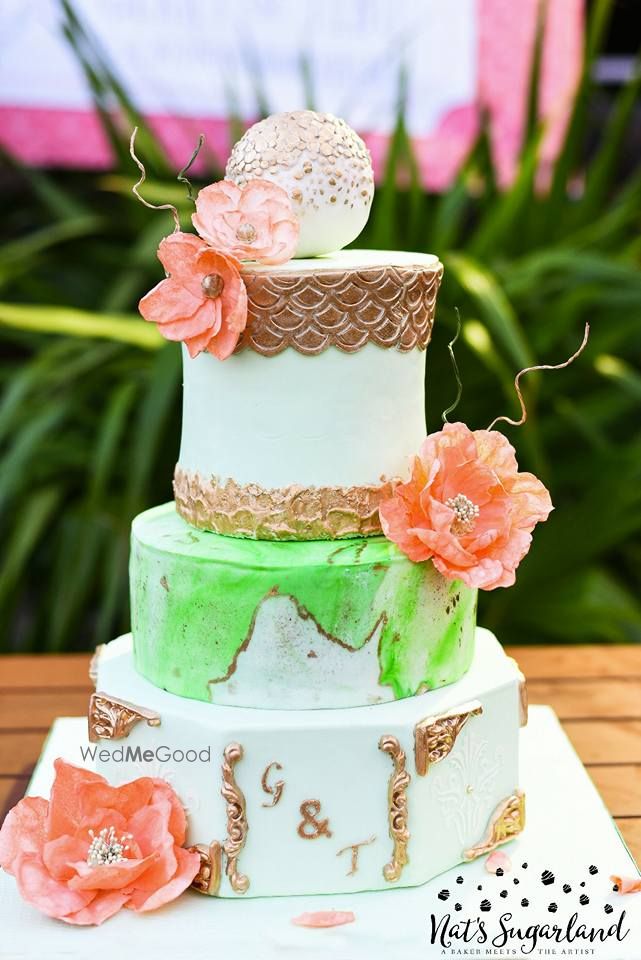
(48, 137)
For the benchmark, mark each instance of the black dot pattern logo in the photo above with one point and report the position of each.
(547, 879)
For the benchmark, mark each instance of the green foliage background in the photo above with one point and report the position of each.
(90, 394)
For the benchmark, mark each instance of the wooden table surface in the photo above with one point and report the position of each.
(595, 690)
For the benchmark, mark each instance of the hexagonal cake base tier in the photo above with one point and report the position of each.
(284, 802)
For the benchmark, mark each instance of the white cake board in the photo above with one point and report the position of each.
(568, 829)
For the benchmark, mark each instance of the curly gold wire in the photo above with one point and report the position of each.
(143, 177)
(182, 178)
(541, 366)
(459, 384)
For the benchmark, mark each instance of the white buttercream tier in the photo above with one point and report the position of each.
(289, 794)
(337, 419)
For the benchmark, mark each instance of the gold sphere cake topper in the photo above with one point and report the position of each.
(322, 164)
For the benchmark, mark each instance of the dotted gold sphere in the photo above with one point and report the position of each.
(322, 164)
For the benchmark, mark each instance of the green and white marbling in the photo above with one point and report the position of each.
(291, 625)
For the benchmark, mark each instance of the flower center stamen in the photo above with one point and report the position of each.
(107, 848)
(466, 514)
(212, 285)
(246, 233)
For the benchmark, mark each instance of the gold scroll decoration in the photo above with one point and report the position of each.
(506, 822)
(397, 808)
(279, 513)
(344, 307)
(435, 736)
(112, 719)
(237, 825)
(208, 878)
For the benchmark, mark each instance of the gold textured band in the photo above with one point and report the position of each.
(391, 306)
(284, 513)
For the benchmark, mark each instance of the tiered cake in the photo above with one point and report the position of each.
(322, 703)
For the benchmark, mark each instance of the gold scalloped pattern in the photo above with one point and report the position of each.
(283, 513)
(390, 306)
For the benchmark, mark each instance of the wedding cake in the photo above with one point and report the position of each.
(304, 666)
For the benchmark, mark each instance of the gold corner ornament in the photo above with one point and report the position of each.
(112, 719)
(507, 821)
(397, 808)
(435, 736)
(209, 875)
(93, 663)
(237, 825)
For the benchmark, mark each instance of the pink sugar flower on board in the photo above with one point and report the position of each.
(466, 507)
(92, 849)
(203, 300)
(255, 222)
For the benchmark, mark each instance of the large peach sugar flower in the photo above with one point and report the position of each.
(466, 507)
(93, 849)
(255, 222)
(203, 301)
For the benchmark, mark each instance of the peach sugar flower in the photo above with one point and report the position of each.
(203, 301)
(93, 849)
(466, 507)
(255, 222)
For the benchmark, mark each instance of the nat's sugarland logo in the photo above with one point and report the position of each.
(513, 914)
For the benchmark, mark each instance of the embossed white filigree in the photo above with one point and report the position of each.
(465, 785)
(161, 771)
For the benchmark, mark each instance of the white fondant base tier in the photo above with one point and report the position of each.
(325, 801)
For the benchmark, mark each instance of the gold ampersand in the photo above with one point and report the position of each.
(309, 810)
(277, 789)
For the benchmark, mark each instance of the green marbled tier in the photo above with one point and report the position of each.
(291, 624)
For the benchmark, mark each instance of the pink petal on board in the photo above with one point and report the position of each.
(324, 918)
(627, 884)
(498, 861)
